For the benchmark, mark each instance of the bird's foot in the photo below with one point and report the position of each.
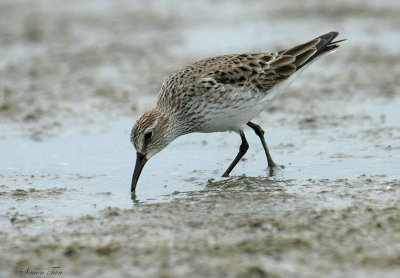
(273, 167)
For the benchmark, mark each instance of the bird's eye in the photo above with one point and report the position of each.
(148, 135)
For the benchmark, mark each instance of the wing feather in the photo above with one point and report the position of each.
(266, 70)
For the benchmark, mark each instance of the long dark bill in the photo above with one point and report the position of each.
(140, 162)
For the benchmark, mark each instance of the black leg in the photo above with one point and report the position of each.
(242, 150)
(258, 130)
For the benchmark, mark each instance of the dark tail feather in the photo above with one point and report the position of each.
(324, 46)
(318, 47)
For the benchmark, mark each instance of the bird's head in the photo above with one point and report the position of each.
(151, 133)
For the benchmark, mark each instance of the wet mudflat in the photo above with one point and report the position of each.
(75, 77)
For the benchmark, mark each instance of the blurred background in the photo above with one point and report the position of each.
(74, 77)
(65, 63)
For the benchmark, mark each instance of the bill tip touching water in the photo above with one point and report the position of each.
(221, 94)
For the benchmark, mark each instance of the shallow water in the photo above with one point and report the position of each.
(73, 79)
(93, 171)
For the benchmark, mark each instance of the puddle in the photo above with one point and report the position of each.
(94, 170)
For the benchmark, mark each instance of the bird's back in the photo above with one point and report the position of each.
(237, 84)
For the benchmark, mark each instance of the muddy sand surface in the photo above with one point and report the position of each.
(74, 76)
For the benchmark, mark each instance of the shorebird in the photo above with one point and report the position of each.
(220, 94)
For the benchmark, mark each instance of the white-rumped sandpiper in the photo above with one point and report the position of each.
(219, 94)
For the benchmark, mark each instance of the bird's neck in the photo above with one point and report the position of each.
(176, 125)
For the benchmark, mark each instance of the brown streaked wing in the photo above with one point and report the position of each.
(262, 70)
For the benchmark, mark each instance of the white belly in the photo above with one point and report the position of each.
(234, 117)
